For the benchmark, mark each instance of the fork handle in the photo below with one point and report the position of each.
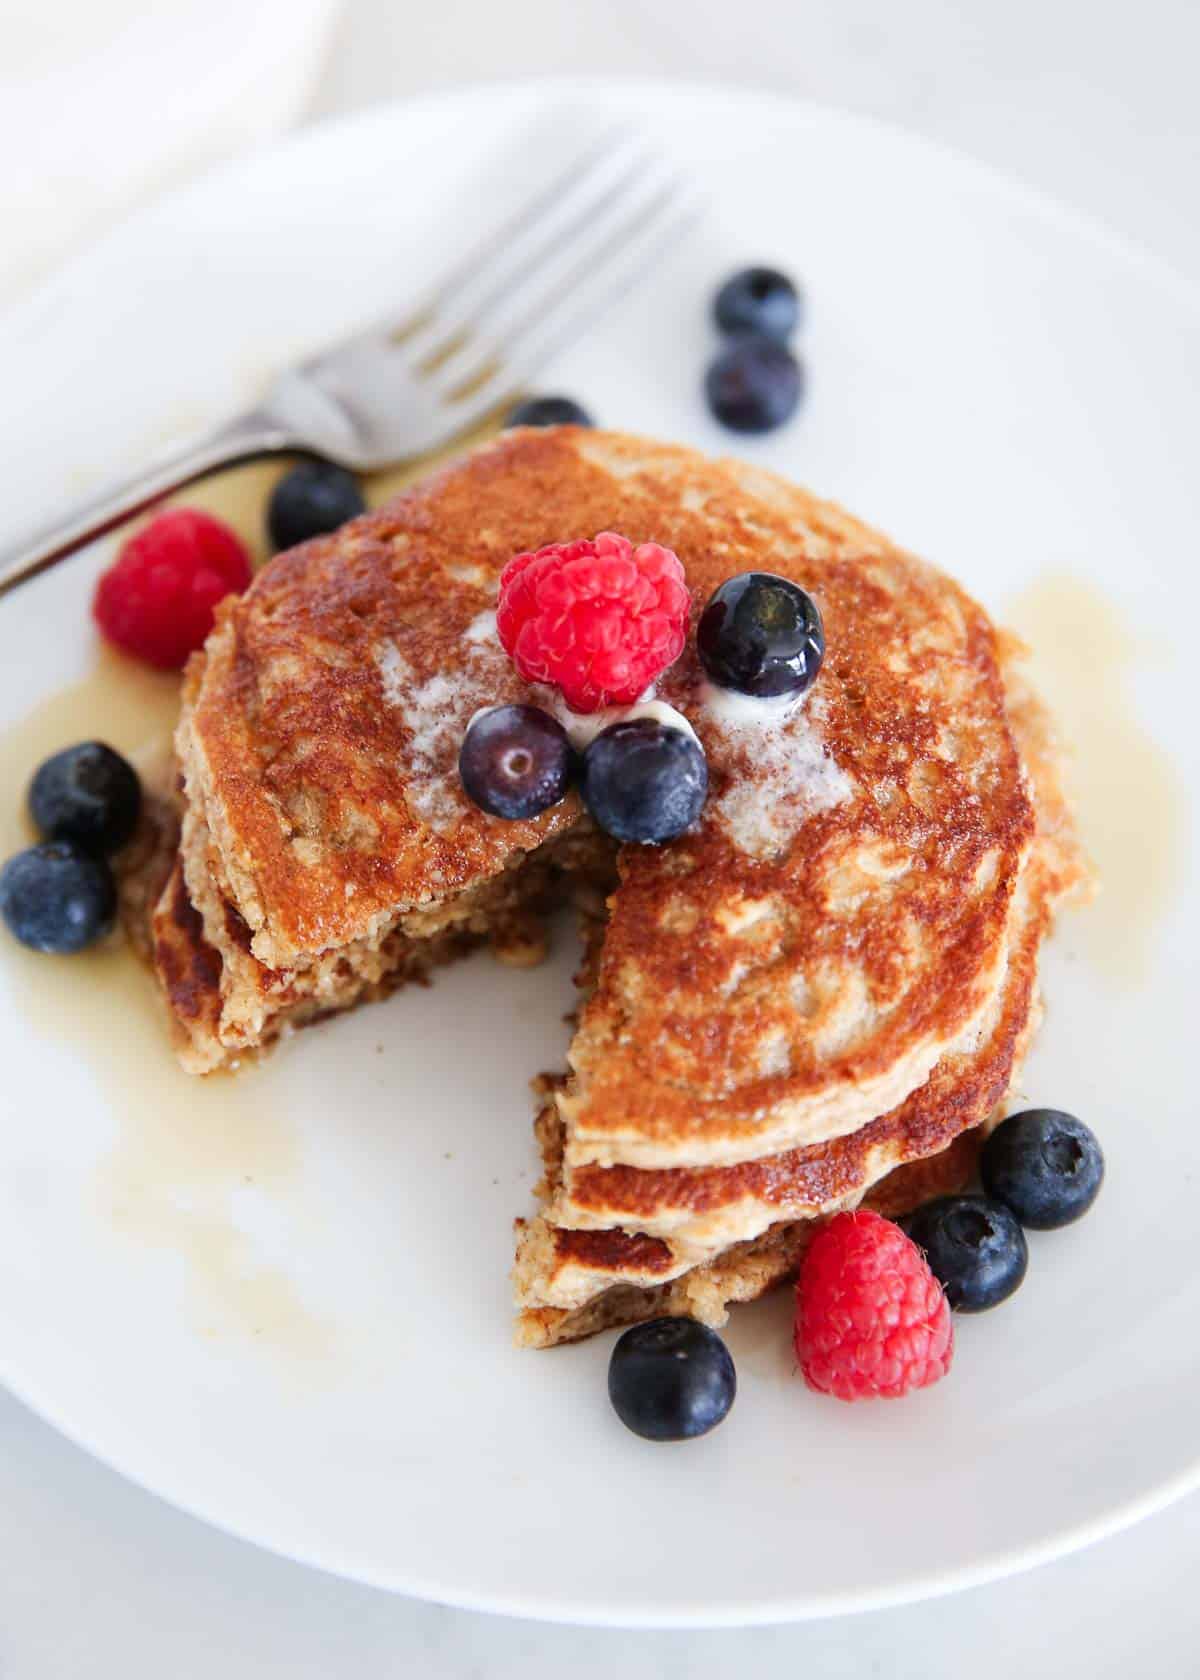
(246, 438)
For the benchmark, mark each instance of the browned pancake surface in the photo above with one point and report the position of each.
(746, 1000)
(571, 1281)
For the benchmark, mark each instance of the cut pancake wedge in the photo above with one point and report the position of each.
(564, 1269)
(693, 1241)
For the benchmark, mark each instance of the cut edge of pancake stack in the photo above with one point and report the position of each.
(705, 1126)
(571, 1281)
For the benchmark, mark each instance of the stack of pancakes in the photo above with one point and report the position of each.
(821, 993)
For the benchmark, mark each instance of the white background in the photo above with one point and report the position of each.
(1097, 104)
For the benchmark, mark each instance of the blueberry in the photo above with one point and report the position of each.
(754, 385)
(548, 411)
(312, 499)
(671, 1379)
(56, 897)
(644, 781)
(515, 761)
(761, 635)
(1045, 1165)
(88, 794)
(975, 1249)
(758, 300)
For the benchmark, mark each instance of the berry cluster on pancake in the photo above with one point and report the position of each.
(820, 992)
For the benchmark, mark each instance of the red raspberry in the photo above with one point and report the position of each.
(156, 600)
(871, 1318)
(601, 620)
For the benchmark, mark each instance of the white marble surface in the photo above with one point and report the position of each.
(1096, 104)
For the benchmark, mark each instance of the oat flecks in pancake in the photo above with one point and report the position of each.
(746, 1001)
(809, 997)
(742, 1272)
(749, 1225)
(643, 1229)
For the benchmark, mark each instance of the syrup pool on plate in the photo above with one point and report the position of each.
(184, 1151)
(188, 1156)
(1083, 664)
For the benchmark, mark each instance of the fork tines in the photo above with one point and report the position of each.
(525, 289)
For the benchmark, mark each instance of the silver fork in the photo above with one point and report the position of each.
(412, 383)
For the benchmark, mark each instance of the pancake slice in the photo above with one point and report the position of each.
(225, 1004)
(741, 1273)
(565, 1269)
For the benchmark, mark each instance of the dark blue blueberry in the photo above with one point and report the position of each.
(515, 761)
(644, 781)
(1045, 1165)
(754, 385)
(88, 794)
(761, 635)
(315, 497)
(56, 897)
(671, 1379)
(975, 1249)
(758, 300)
(548, 411)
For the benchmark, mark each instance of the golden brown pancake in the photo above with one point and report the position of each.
(789, 970)
(637, 1250)
(819, 993)
(705, 1212)
(743, 1272)
(701, 1208)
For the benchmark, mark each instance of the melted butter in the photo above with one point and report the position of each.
(1083, 664)
(192, 1161)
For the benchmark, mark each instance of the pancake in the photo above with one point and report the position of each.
(708, 1211)
(744, 1272)
(225, 1003)
(627, 1244)
(222, 998)
(818, 995)
(701, 1209)
(780, 976)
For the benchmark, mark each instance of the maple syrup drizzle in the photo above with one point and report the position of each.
(1083, 663)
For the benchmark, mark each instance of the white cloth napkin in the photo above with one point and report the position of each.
(102, 101)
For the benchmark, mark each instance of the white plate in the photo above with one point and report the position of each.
(284, 1305)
